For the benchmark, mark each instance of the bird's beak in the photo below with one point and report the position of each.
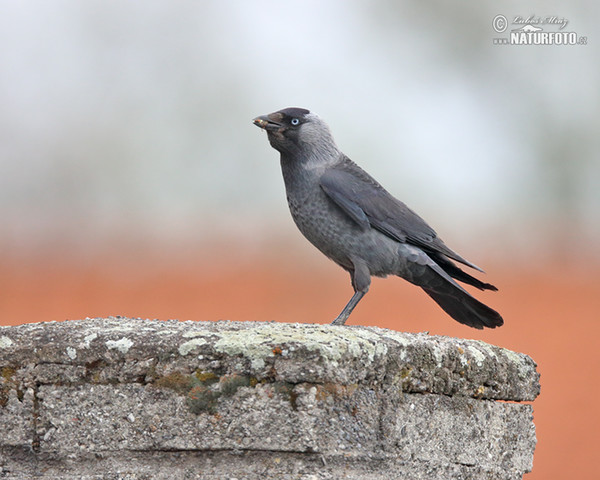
(267, 123)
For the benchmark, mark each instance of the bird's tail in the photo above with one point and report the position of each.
(452, 269)
(455, 300)
(464, 308)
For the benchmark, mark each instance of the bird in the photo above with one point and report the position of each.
(346, 214)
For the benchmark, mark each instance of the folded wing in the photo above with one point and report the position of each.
(369, 204)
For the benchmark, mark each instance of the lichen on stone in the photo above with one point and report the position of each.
(122, 345)
(257, 343)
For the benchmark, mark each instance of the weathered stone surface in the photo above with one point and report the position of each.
(130, 398)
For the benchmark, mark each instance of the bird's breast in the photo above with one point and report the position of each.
(337, 236)
(329, 228)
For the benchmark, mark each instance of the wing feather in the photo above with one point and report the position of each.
(369, 204)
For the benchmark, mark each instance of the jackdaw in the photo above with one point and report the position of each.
(354, 221)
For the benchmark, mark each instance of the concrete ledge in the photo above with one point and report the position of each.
(131, 398)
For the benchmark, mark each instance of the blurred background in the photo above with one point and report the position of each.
(132, 181)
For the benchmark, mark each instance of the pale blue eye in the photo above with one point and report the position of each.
(295, 121)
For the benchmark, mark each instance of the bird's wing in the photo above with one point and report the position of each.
(364, 200)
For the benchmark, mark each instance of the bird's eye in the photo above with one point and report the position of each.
(295, 121)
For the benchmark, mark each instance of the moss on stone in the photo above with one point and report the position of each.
(7, 383)
(177, 382)
(201, 399)
(202, 389)
(230, 384)
(206, 377)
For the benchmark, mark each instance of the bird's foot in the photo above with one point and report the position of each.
(341, 320)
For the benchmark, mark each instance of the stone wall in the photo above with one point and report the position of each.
(123, 398)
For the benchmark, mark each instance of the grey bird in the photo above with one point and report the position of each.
(354, 221)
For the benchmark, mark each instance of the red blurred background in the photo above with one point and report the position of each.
(551, 313)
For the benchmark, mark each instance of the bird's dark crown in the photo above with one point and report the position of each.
(294, 112)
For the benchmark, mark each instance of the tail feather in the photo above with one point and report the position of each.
(437, 282)
(465, 309)
(454, 271)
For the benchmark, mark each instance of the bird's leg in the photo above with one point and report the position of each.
(361, 280)
(342, 317)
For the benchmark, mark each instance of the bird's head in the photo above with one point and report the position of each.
(297, 131)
